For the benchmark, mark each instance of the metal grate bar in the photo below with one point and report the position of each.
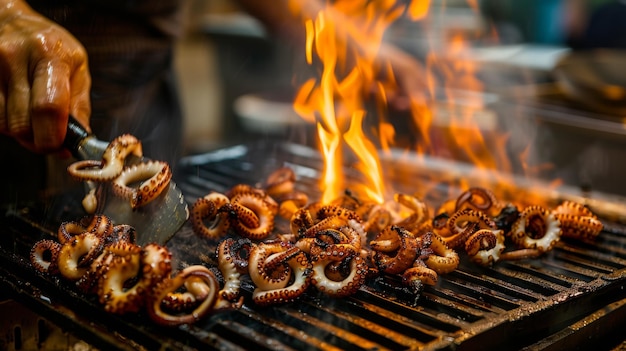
(248, 338)
(424, 317)
(522, 277)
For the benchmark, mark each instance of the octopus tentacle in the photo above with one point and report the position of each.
(122, 233)
(101, 225)
(355, 234)
(244, 215)
(156, 262)
(307, 245)
(226, 259)
(240, 252)
(464, 223)
(315, 218)
(113, 292)
(177, 302)
(112, 161)
(522, 234)
(443, 259)
(387, 240)
(206, 209)
(90, 201)
(458, 240)
(267, 276)
(154, 177)
(302, 220)
(338, 270)
(485, 246)
(277, 261)
(483, 239)
(196, 291)
(573, 208)
(217, 198)
(336, 211)
(330, 239)
(334, 222)
(172, 285)
(440, 221)
(577, 221)
(76, 255)
(418, 275)
(331, 236)
(579, 227)
(251, 216)
(280, 182)
(520, 254)
(480, 199)
(338, 286)
(291, 203)
(299, 282)
(67, 230)
(440, 227)
(245, 189)
(457, 222)
(90, 170)
(89, 282)
(44, 256)
(400, 258)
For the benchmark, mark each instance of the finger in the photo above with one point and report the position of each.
(18, 102)
(50, 100)
(80, 102)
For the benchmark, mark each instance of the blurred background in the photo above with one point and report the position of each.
(550, 71)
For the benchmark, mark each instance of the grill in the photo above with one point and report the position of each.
(571, 298)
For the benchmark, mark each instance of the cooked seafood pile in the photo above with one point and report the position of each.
(153, 176)
(331, 248)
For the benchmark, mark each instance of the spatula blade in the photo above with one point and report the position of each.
(155, 222)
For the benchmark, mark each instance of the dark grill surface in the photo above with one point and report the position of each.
(571, 298)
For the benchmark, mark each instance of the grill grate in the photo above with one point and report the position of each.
(567, 299)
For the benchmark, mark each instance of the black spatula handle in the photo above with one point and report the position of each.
(74, 136)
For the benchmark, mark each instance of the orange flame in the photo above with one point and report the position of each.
(367, 154)
(418, 9)
(343, 39)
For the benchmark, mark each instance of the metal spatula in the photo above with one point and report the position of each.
(157, 221)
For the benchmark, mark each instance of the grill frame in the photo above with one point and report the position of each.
(569, 297)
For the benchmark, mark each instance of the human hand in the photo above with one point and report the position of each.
(44, 77)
